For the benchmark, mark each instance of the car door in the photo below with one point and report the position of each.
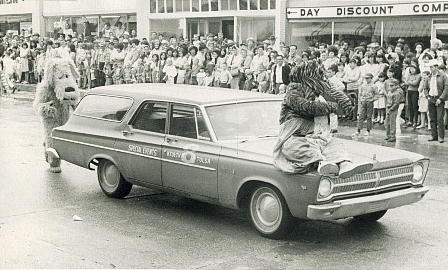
(189, 157)
(141, 143)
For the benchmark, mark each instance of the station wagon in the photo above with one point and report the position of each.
(215, 145)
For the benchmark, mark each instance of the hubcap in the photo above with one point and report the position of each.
(110, 177)
(266, 210)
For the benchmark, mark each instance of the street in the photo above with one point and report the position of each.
(153, 230)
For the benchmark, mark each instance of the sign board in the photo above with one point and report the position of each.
(7, 2)
(382, 10)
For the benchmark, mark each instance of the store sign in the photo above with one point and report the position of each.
(406, 9)
(7, 2)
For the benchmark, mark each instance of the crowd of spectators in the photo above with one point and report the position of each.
(387, 84)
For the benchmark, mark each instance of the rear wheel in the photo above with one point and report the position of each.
(269, 213)
(111, 181)
(371, 217)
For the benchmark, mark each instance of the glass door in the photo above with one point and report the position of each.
(440, 30)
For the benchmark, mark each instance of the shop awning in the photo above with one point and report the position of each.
(311, 29)
(406, 29)
(353, 28)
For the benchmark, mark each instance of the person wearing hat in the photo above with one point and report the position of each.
(437, 83)
(412, 82)
(368, 93)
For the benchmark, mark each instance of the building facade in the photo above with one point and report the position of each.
(383, 21)
(300, 22)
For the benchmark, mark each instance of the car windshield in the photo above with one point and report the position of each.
(244, 121)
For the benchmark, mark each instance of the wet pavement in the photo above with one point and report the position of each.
(152, 230)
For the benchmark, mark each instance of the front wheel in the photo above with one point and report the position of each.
(269, 213)
(111, 181)
(370, 217)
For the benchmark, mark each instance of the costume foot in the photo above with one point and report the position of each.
(55, 169)
(348, 169)
(327, 168)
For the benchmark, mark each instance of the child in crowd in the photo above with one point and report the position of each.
(263, 81)
(155, 69)
(225, 77)
(368, 93)
(201, 77)
(209, 77)
(250, 84)
(423, 100)
(380, 104)
(170, 72)
(108, 74)
(117, 75)
(393, 99)
(8, 70)
(148, 73)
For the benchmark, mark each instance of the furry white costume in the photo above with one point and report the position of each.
(56, 96)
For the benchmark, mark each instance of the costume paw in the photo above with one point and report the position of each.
(55, 169)
(347, 169)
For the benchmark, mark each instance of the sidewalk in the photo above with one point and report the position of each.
(27, 92)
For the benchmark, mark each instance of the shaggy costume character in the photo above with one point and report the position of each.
(305, 140)
(56, 97)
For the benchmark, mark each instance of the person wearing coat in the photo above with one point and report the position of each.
(280, 75)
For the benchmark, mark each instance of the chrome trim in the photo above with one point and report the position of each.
(364, 205)
(190, 165)
(136, 154)
(106, 148)
(274, 98)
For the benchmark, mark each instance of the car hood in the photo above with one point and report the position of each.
(262, 149)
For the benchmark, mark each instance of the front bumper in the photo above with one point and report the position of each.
(369, 204)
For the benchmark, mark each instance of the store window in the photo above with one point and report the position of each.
(272, 4)
(254, 4)
(153, 6)
(15, 24)
(166, 27)
(186, 5)
(243, 4)
(305, 34)
(258, 28)
(356, 32)
(161, 6)
(195, 5)
(204, 5)
(169, 6)
(179, 5)
(411, 30)
(264, 4)
(214, 5)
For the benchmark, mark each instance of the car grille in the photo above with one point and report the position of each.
(372, 181)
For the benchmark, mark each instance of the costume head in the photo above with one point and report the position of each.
(309, 78)
(60, 76)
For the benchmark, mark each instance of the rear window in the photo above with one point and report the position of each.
(104, 107)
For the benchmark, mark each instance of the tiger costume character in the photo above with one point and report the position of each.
(305, 141)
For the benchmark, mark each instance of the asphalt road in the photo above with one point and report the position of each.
(150, 230)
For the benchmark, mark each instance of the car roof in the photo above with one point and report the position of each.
(182, 93)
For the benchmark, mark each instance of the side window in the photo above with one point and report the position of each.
(105, 107)
(203, 133)
(151, 117)
(182, 122)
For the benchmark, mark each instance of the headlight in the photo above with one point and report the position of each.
(325, 187)
(418, 172)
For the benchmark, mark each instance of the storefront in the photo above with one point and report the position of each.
(16, 16)
(237, 20)
(86, 17)
(373, 21)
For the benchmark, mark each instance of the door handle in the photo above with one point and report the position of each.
(171, 140)
(127, 132)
